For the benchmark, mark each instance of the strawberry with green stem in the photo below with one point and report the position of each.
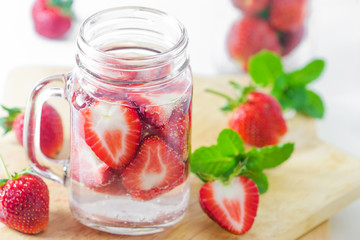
(24, 201)
(52, 18)
(256, 116)
(51, 129)
(289, 88)
(234, 179)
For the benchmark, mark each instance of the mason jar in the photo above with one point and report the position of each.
(130, 108)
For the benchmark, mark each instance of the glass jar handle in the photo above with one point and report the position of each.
(50, 87)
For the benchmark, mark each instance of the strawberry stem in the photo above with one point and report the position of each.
(4, 168)
(219, 94)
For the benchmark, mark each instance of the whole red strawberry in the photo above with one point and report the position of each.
(290, 40)
(251, 7)
(259, 120)
(232, 206)
(249, 36)
(51, 130)
(24, 202)
(52, 18)
(287, 15)
(256, 117)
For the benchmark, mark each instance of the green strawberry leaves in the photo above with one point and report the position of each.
(228, 159)
(6, 122)
(15, 176)
(64, 5)
(290, 89)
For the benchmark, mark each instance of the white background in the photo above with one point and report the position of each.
(334, 34)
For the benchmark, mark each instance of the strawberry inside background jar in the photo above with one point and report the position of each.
(277, 25)
(130, 101)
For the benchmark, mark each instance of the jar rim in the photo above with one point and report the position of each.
(169, 53)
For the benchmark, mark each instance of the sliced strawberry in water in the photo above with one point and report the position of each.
(114, 187)
(156, 107)
(112, 131)
(232, 206)
(86, 168)
(156, 170)
(176, 131)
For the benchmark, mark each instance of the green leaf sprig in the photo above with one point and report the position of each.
(291, 89)
(228, 159)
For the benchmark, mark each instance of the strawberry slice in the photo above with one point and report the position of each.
(232, 206)
(86, 168)
(156, 170)
(112, 131)
(156, 107)
(176, 131)
(114, 187)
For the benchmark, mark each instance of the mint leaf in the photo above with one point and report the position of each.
(307, 74)
(313, 105)
(260, 180)
(254, 160)
(230, 143)
(209, 160)
(295, 96)
(254, 170)
(273, 156)
(265, 67)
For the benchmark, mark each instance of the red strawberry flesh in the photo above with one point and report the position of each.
(232, 206)
(112, 131)
(114, 187)
(156, 108)
(86, 168)
(176, 131)
(156, 170)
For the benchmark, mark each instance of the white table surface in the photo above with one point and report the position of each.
(334, 34)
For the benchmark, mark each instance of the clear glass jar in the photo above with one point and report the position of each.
(130, 103)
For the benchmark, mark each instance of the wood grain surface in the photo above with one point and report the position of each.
(304, 192)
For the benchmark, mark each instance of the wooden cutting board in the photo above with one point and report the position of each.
(314, 184)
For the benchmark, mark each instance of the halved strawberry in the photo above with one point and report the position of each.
(232, 206)
(114, 187)
(112, 131)
(156, 107)
(86, 168)
(156, 169)
(176, 131)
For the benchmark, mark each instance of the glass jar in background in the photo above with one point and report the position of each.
(130, 103)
